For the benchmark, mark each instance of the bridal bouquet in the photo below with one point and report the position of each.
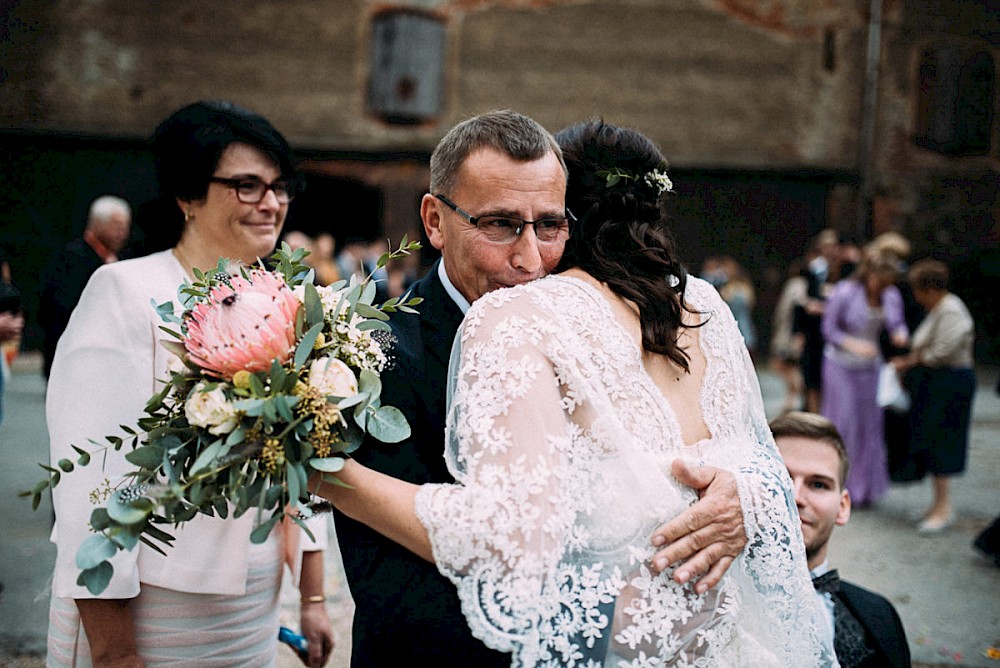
(271, 379)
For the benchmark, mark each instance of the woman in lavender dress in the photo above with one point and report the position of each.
(858, 310)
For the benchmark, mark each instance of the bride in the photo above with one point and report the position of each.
(570, 399)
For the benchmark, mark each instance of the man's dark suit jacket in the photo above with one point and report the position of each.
(64, 280)
(406, 612)
(881, 623)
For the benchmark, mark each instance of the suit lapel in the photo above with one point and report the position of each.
(440, 317)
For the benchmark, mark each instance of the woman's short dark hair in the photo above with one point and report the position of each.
(187, 147)
(621, 235)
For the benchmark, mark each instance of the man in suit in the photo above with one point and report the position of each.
(866, 628)
(406, 612)
(109, 221)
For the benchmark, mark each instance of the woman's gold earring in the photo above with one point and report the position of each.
(187, 216)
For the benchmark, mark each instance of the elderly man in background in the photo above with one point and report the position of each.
(109, 221)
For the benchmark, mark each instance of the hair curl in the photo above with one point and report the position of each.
(621, 237)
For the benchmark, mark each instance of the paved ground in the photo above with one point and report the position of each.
(947, 595)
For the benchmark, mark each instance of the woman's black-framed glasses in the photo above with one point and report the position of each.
(507, 229)
(251, 190)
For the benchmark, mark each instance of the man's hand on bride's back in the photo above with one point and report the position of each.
(706, 538)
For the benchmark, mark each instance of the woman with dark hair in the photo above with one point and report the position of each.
(213, 598)
(571, 397)
(942, 384)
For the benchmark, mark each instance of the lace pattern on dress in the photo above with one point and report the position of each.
(561, 447)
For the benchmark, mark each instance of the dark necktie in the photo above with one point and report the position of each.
(848, 634)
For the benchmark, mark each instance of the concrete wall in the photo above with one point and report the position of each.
(758, 104)
(717, 83)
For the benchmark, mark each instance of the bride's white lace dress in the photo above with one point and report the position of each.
(561, 445)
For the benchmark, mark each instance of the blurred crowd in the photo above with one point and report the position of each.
(874, 340)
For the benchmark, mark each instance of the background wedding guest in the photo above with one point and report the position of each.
(213, 598)
(865, 627)
(740, 296)
(11, 320)
(109, 220)
(495, 165)
(593, 379)
(324, 258)
(786, 344)
(820, 274)
(896, 419)
(857, 311)
(942, 383)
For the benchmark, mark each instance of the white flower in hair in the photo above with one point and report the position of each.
(659, 180)
(656, 179)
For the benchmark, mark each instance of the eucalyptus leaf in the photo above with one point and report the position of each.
(284, 406)
(306, 344)
(347, 402)
(128, 512)
(369, 382)
(125, 537)
(99, 520)
(152, 545)
(366, 311)
(327, 464)
(159, 534)
(207, 457)
(84, 457)
(273, 495)
(366, 325)
(389, 425)
(361, 416)
(304, 526)
(96, 579)
(146, 456)
(259, 535)
(252, 407)
(256, 386)
(292, 480)
(313, 304)
(96, 549)
(368, 294)
(236, 436)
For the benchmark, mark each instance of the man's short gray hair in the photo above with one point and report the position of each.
(508, 132)
(105, 206)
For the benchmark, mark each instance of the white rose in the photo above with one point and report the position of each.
(332, 377)
(210, 409)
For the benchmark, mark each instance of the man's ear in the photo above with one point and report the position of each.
(430, 214)
(844, 512)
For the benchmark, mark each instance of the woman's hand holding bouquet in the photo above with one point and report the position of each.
(271, 379)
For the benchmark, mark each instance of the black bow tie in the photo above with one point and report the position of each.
(829, 582)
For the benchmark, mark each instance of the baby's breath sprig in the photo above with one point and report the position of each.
(656, 179)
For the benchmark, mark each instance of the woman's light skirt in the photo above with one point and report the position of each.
(181, 629)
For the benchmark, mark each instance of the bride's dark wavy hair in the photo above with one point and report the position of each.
(621, 235)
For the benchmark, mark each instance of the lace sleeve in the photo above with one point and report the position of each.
(773, 566)
(502, 527)
(780, 620)
(561, 448)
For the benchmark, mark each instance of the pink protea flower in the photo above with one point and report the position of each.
(244, 325)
